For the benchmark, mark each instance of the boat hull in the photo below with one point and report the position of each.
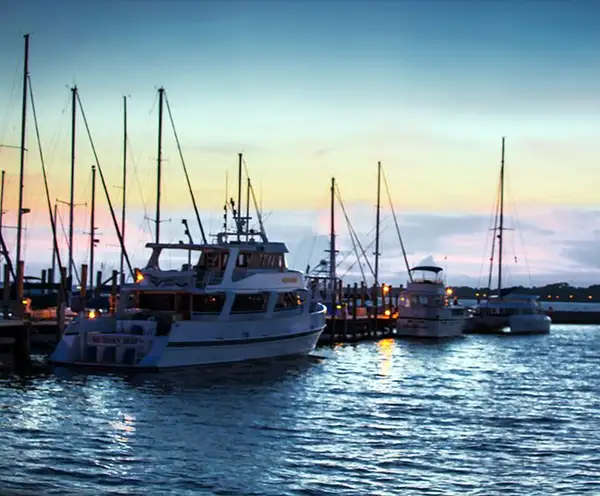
(198, 343)
(529, 324)
(429, 328)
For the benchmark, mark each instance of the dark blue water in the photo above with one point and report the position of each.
(479, 415)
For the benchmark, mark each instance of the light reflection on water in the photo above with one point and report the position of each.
(478, 415)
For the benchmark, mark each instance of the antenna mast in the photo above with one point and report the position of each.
(161, 93)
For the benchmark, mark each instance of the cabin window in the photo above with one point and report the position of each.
(208, 303)
(287, 301)
(161, 302)
(213, 260)
(242, 260)
(247, 303)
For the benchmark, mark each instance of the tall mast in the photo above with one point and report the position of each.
(22, 161)
(501, 224)
(2, 200)
(332, 274)
(161, 93)
(54, 246)
(92, 229)
(248, 186)
(124, 187)
(239, 203)
(72, 199)
(377, 224)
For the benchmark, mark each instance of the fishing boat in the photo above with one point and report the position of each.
(425, 308)
(506, 311)
(238, 302)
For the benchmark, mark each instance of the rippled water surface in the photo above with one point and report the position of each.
(478, 415)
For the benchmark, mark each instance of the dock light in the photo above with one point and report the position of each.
(476, 294)
(385, 288)
(92, 314)
(571, 297)
(449, 291)
(387, 313)
(589, 297)
(339, 307)
(139, 277)
(549, 297)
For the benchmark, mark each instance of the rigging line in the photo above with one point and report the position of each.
(396, 224)
(10, 104)
(135, 163)
(47, 189)
(346, 255)
(362, 272)
(99, 168)
(489, 286)
(493, 213)
(371, 243)
(518, 226)
(59, 129)
(187, 177)
(66, 239)
(259, 215)
(339, 198)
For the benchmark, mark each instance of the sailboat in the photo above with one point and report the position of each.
(507, 311)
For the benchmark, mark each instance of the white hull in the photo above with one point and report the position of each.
(529, 324)
(110, 343)
(429, 328)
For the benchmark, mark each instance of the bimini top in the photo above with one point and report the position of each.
(427, 268)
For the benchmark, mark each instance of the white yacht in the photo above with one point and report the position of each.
(512, 313)
(238, 301)
(424, 309)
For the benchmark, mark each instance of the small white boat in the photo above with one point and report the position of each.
(237, 302)
(425, 311)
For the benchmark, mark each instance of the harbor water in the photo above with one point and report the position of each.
(480, 415)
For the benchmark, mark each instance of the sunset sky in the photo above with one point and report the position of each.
(310, 90)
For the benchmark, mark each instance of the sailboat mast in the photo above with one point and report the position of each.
(72, 196)
(239, 203)
(332, 262)
(54, 247)
(22, 160)
(161, 93)
(2, 200)
(376, 274)
(248, 186)
(501, 223)
(92, 229)
(124, 200)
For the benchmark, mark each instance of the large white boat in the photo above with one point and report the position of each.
(425, 310)
(238, 302)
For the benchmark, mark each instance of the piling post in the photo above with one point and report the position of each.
(84, 278)
(20, 289)
(113, 292)
(43, 279)
(375, 300)
(6, 292)
(98, 288)
(354, 292)
(60, 307)
(51, 277)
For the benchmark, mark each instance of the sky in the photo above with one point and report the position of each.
(313, 90)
